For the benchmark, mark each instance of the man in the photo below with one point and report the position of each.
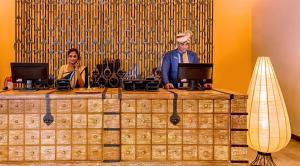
(179, 55)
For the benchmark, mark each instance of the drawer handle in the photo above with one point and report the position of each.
(127, 152)
(205, 153)
(0, 138)
(64, 136)
(144, 136)
(79, 121)
(16, 106)
(78, 152)
(190, 152)
(95, 136)
(222, 137)
(32, 153)
(96, 120)
(128, 120)
(1, 105)
(32, 137)
(16, 121)
(205, 105)
(16, 137)
(205, 136)
(221, 105)
(64, 105)
(48, 151)
(64, 120)
(128, 105)
(143, 152)
(64, 152)
(128, 136)
(32, 121)
(16, 153)
(80, 105)
(48, 137)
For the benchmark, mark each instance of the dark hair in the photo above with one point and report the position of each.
(74, 50)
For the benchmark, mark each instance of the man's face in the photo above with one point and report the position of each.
(183, 47)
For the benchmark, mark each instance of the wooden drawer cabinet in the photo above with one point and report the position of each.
(63, 137)
(95, 152)
(205, 137)
(95, 121)
(3, 121)
(63, 106)
(16, 121)
(79, 106)
(3, 153)
(79, 136)
(94, 136)
(63, 121)
(128, 106)
(190, 121)
(32, 153)
(143, 136)
(143, 121)
(79, 152)
(32, 121)
(32, 137)
(190, 137)
(221, 121)
(128, 136)
(221, 152)
(3, 137)
(128, 152)
(63, 152)
(221, 137)
(143, 106)
(190, 152)
(128, 121)
(48, 137)
(159, 152)
(111, 121)
(16, 153)
(221, 106)
(190, 106)
(143, 152)
(16, 137)
(206, 106)
(159, 120)
(174, 152)
(205, 121)
(3, 107)
(159, 106)
(174, 137)
(32, 106)
(205, 152)
(16, 106)
(159, 136)
(47, 153)
(95, 105)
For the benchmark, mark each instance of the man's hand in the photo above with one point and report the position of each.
(169, 86)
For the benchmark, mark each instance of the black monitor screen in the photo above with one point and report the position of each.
(196, 72)
(21, 72)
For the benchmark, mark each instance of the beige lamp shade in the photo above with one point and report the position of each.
(268, 122)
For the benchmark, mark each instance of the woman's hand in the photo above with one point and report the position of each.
(77, 65)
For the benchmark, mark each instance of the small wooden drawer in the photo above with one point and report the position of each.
(3, 107)
(221, 152)
(159, 106)
(143, 121)
(79, 121)
(239, 153)
(143, 152)
(79, 152)
(16, 121)
(205, 121)
(159, 152)
(206, 106)
(16, 106)
(171, 125)
(143, 136)
(174, 152)
(63, 106)
(3, 137)
(143, 106)
(111, 137)
(190, 137)
(79, 106)
(16, 153)
(16, 137)
(190, 152)
(221, 137)
(94, 136)
(128, 106)
(128, 136)
(128, 152)
(63, 137)
(3, 121)
(111, 153)
(190, 106)
(63, 121)
(52, 125)
(111, 121)
(221, 121)
(49, 105)
(94, 105)
(221, 106)
(128, 120)
(159, 120)
(32, 153)
(32, 121)
(79, 136)
(159, 136)
(174, 137)
(32, 137)
(63, 153)
(47, 137)
(239, 121)
(239, 137)
(178, 106)
(239, 105)
(3, 153)
(205, 137)
(95, 152)
(205, 152)
(32, 106)
(190, 121)
(95, 120)
(47, 153)
(111, 105)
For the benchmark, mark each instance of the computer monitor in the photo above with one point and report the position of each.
(195, 73)
(36, 72)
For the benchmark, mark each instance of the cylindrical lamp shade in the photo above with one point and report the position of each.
(268, 122)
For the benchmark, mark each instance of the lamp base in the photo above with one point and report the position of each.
(263, 159)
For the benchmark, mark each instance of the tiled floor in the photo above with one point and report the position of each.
(289, 156)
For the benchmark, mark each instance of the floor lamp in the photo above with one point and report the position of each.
(268, 122)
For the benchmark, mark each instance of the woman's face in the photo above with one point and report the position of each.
(73, 58)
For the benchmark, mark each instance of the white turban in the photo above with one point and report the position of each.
(184, 37)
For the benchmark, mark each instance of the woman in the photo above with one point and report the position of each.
(73, 71)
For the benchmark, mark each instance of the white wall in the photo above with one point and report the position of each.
(276, 33)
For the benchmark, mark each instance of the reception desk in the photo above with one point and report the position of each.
(123, 127)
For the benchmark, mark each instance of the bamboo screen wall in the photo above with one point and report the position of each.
(138, 32)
